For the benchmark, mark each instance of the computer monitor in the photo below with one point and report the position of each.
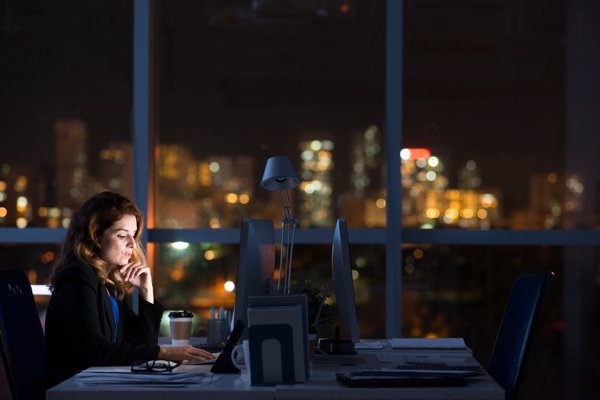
(256, 264)
(341, 271)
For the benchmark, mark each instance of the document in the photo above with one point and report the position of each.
(124, 376)
(426, 343)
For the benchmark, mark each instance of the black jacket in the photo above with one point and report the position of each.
(80, 325)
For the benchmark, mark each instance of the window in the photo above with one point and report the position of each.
(489, 106)
(242, 81)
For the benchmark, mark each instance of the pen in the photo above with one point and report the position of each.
(212, 312)
(221, 312)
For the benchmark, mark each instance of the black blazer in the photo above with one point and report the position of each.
(80, 325)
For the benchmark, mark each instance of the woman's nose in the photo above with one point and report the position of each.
(132, 243)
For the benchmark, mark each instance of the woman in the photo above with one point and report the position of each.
(89, 321)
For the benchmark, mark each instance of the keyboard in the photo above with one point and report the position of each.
(209, 348)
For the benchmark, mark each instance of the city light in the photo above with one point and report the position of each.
(214, 167)
(415, 154)
(244, 198)
(180, 245)
(229, 286)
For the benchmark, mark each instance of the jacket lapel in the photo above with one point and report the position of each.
(108, 320)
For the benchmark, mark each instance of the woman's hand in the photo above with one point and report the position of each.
(184, 353)
(138, 275)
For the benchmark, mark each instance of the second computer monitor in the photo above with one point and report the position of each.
(341, 271)
(256, 264)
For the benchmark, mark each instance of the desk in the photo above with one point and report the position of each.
(322, 384)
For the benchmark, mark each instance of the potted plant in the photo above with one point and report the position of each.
(319, 311)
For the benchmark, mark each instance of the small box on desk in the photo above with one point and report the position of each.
(278, 342)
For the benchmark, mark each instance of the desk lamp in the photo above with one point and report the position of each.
(280, 176)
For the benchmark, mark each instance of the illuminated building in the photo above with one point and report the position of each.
(365, 204)
(115, 171)
(73, 184)
(214, 192)
(20, 189)
(428, 202)
(316, 183)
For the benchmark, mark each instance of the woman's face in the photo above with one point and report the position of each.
(118, 241)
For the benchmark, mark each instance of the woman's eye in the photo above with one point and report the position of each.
(121, 236)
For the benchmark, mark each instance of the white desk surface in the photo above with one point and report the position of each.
(322, 383)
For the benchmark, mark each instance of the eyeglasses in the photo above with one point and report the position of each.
(154, 366)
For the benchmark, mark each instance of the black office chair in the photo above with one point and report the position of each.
(516, 330)
(22, 337)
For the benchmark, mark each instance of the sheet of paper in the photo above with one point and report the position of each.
(369, 345)
(425, 343)
(124, 376)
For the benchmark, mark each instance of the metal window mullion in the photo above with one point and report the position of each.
(141, 127)
(393, 143)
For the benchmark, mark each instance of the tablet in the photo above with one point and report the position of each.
(223, 363)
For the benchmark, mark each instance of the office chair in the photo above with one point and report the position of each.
(22, 337)
(516, 330)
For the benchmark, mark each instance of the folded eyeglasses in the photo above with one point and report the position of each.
(154, 366)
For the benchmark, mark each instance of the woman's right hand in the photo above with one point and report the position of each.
(184, 353)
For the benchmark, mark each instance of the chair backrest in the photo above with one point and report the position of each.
(22, 337)
(514, 336)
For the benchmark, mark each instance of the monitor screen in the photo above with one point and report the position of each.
(256, 264)
(341, 271)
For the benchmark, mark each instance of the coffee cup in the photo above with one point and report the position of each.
(240, 356)
(180, 323)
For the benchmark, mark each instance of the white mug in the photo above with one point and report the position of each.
(240, 356)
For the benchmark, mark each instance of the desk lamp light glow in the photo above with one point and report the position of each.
(280, 176)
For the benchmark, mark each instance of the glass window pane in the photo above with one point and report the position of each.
(194, 277)
(461, 291)
(66, 93)
(486, 106)
(242, 81)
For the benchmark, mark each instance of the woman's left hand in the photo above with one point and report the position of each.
(139, 275)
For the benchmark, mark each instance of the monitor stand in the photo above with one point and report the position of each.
(337, 345)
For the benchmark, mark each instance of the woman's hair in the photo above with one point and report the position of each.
(84, 236)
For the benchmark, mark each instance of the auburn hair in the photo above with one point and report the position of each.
(84, 236)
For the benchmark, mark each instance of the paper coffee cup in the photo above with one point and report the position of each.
(180, 323)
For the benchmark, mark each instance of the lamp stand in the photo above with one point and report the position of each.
(288, 230)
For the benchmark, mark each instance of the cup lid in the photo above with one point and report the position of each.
(180, 314)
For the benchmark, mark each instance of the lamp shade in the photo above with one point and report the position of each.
(279, 174)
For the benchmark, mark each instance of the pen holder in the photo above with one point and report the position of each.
(217, 331)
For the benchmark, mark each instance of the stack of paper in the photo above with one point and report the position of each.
(123, 376)
(424, 343)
